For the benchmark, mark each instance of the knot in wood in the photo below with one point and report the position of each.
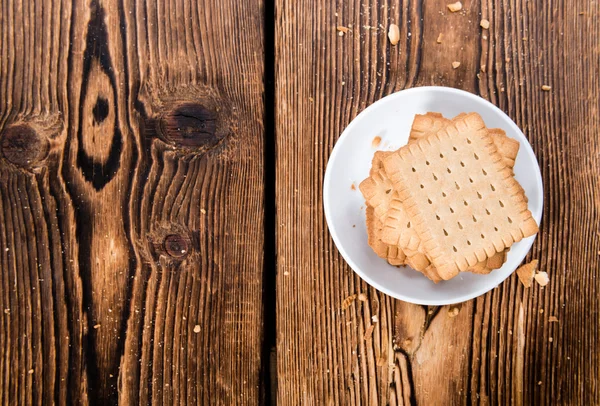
(23, 146)
(191, 125)
(176, 246)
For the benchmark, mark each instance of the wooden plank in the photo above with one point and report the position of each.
(498, 349)
(131, 202)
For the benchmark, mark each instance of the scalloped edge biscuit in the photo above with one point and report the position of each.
(410, 166)
(394, 255)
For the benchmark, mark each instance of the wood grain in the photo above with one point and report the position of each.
(501, 348)
(131, 202)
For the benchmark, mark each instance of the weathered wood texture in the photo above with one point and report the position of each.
(131, 202)
(502, 347)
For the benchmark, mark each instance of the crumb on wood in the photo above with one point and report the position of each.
(453, 312)
(454, 7)
(546, 88)
(483, 68)
(343, 29)
(369, 332)
(374, 318)
(348, 301)
(541, 311)
(394, 34)
(542, 278)
(30, 372)
(553, 319)
(362, 297)
(550, 339)
(439, 38)
(286, 273)
(376, 141)
(485, 24)
(526, 272)
(97, 326)
(455, 65)
(202, 211)
(197, 328)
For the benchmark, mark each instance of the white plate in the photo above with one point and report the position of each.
(390, 118)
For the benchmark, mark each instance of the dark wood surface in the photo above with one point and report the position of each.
(131, 202)
(155, 166)
(501, 348)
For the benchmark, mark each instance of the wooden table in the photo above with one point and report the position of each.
(162, 237)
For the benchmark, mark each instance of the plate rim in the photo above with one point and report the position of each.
(327, 179)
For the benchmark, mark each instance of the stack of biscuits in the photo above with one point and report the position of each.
(447, 202)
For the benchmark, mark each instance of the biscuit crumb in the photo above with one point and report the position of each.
(376, 141)
(546, 88)
(484, 37)
(455, 64)
(454, 7)
(340, 33)
(369, 332)
(202, 211)
(362, 297)
(394, 34)
(483, 68)
(552, 319)
(348, 301)
(97, 326)
(196, 328)
(353, 186)
(542, 278)
(439, 38)
(526, 273)
(485, 24)
(374, 318)
(550, 339)
(453, 312)
(541, 311)
(342, 29)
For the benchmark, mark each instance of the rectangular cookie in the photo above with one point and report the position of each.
(376, 190)
(462, 200)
